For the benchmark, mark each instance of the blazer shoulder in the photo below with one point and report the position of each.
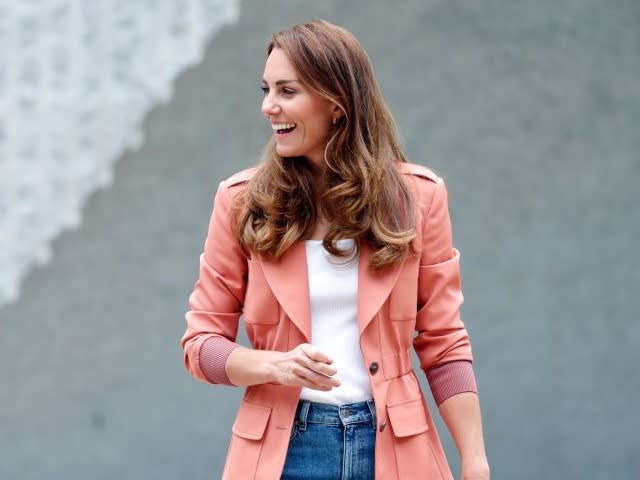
(240, 178)
(421, 171)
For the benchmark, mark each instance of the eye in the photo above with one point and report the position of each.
(287, 91)
(265, 89)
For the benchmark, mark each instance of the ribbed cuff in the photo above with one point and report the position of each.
(213, 357)
(449, 379)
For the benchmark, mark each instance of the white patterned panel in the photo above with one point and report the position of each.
(76, 79)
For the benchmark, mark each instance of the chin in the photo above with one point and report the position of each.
(286, 152)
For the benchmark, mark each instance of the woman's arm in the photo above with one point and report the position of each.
(442, 342)
(215, 304)
(304, 366)
(461, 414)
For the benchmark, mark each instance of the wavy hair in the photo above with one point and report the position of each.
(358, 190)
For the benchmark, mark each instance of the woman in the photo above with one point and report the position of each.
(338, 255)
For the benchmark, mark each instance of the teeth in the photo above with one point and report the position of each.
(282, 126)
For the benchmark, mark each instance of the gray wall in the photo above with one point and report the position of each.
(531, 112)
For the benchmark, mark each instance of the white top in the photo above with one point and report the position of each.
(333, 291)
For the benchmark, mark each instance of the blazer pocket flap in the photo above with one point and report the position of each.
(251, 421)
(407, 418)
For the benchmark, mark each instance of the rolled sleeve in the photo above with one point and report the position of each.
(441, 335)
(452, 378)
(215, 305)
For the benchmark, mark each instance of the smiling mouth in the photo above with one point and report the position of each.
(281, 128)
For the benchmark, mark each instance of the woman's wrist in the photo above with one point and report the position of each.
(475, 467)
(247, 367)
(475, 457)
(269, 368)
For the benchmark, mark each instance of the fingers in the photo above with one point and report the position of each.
(312, 368)
(317, 361)
(311, 379)
(314, 354)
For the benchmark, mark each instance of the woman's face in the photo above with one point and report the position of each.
(301, 119)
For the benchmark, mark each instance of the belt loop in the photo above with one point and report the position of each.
(372, 409)
(304, 411)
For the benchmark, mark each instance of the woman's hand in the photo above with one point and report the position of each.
(475, 469)
(304, 366)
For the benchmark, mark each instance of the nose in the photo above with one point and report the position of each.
(269, 106)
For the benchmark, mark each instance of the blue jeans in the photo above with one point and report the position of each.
(331, 442)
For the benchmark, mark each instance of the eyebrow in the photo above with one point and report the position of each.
(281, 82)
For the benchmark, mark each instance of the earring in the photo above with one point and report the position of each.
(334, 121)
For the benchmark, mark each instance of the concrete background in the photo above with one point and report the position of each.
(531, 112)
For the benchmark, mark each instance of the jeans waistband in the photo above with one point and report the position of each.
(346, 414)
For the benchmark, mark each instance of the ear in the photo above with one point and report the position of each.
(336, 112)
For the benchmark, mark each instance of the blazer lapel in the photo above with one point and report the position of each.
(289, 282)
(373, 287)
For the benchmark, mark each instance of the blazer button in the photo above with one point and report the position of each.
(383, 425)
(373, 368)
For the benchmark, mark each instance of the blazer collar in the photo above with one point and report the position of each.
(289, 282)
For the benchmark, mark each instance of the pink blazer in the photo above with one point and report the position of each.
(415, 303)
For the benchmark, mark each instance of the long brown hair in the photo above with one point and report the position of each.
(359, 190)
